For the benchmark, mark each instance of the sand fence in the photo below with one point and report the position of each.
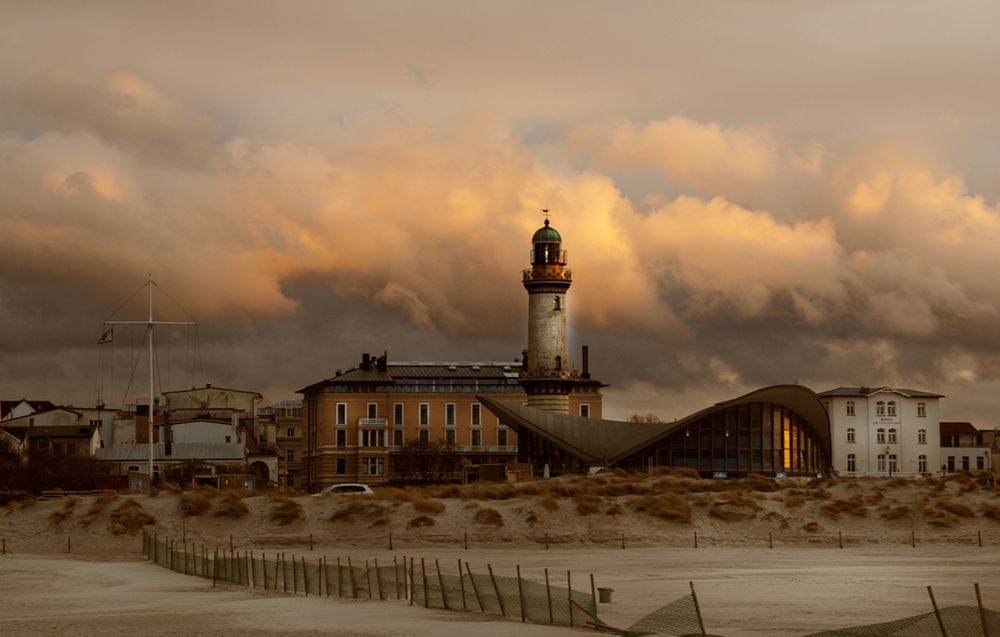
(411, 579)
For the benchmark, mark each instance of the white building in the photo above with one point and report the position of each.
(963, 448)
(883, 431)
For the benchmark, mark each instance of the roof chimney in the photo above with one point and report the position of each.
(586, 361)
(366, 361)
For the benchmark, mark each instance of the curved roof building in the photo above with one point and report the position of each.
(778, 430)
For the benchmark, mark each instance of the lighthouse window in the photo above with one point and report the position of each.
(556, 304)
(558, 362)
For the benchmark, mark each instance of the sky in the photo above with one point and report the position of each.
(751, 193)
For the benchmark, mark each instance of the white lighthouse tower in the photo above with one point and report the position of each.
(546, 374)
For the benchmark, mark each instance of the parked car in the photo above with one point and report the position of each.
(346, 488)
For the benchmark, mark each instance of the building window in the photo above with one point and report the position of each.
(555, 303)
(133, 467)
(892, 463)
(449, 437)
(851, 463)
(502, 437)
(289, 481)
(423, 436)
(341, 466)
(373, 410)
(373, 438)
(921, 410)
(477, 413)
(892, 436)
(979, 463)
(880, 408)
(922, 464)
(397, 437)
(341, 437)
(425, 414)
(397, 414)
(892, 407)
(229, 438)
(850, 408)
(585, 410)
(477, 438)
(951, 464)
(881, 462)
(373, 466)
(921, 436)
(850, 434)
(449, 414)
(880, 436)
(290, 432)
(965, 463)
(341, 413)
(289, 455)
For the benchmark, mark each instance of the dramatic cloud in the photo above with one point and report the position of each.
(332, 183)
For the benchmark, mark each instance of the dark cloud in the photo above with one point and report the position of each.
(748, 195)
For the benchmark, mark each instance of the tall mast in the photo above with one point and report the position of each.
(149, 416)
(150, 323)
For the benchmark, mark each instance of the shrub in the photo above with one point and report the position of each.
(614, 509)
(991, 511)
(734, 508)
(810, 527)
(851, 506)
(56, 518)
(794, 501)
(361, 506)
(550, 502)
(232, 506)
(896, 512)
(129, 517)
(428, 505)
(101, 502)
(667, 506)
(197, 503)
(285, 511)
(587, 504)
(757, 482)
(956, 508)
(171, 487)
(939, 518)
(421, 521)
(488, 516)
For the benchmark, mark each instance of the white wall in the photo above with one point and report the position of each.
(866, 423)
(202, 431)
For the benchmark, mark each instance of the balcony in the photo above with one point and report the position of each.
(547, 273)
(373, 422)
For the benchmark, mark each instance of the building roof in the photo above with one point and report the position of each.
(436, 371)
(6, 406)
(958, 429)
(139, 451)
(865, 392)
(546, 234)
(608, 441)
(210, 386)
(52, 431)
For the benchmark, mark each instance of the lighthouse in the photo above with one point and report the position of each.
(546, 374)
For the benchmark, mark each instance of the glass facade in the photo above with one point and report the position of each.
(748, 438)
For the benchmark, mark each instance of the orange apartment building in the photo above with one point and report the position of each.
(363, 425)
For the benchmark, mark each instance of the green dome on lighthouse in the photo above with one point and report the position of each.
(546, 234)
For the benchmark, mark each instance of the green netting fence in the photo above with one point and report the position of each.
(420, 583)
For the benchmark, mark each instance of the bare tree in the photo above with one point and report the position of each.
(648, 418)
